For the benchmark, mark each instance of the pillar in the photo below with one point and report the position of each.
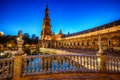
(17, 70)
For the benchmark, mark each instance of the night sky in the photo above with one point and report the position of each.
(68, 15)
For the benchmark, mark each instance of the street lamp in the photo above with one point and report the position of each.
(1, 54)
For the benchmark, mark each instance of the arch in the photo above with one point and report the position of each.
(95, 44)
(104, 42)
(48, 45)
(115, 41)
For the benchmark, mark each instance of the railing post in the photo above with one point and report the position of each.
(101, 56)
(17, 70)
(103, 63)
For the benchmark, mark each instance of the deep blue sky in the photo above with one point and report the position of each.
(68, 15)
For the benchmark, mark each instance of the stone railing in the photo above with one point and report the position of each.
(113, 64)
(6, 68)
(68, 63)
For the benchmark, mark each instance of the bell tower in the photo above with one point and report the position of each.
(46, 27)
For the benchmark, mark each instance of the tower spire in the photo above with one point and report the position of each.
(46, 27)
(46, 11)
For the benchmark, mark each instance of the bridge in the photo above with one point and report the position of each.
(60, 67)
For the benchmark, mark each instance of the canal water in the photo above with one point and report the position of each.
(36, 66)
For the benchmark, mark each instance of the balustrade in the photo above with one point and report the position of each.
(6, 68)
(41, 64)
(113, 64)
(60, 63)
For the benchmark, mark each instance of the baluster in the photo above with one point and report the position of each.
(94, 69)
(37, 65)
(33, 65)
(74, 62)
(45, 62)
(29, 67)
(71, 63)
(41, 63)
(7, 68)
(3, 69)
(92, 63)
(56, 63)
(68, 61)
(11, 67)
(86, 62)
(115, 68)
(81, 66)
(117, 65)
(60, 60)
(89, 64)
(63, 63)
(53, 63)
(77, 63)
(49, 59)
(82, 63)
(107, 64)
(95, 64)
(111, 64)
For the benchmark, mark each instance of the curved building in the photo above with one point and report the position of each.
(88, 39)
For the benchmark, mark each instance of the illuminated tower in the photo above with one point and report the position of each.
(46, 27)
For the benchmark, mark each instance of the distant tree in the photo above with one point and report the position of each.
(26, 38)
(33, 37)
(26, 35)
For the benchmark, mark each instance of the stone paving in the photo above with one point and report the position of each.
(89, 52)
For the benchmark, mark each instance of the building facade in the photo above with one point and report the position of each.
(88, 39)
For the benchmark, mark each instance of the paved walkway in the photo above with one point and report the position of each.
(89, 52)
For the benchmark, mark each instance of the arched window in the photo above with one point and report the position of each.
(82, 44)
(87, 43)
(74, 44)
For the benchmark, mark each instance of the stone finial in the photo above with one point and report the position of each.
(20, 43)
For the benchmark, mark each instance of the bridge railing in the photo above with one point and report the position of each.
(69, 63)
(22, 65)
(6, 68)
